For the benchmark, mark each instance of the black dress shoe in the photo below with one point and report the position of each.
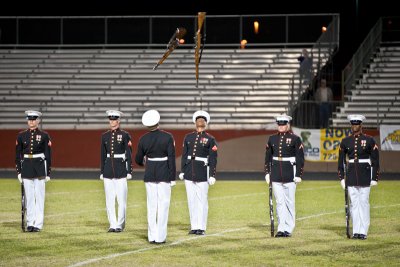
(280, 234)
(287, 234)
(111, 230)
(152, 242)
(160, 243)
(362, 237)
(29, 229)
(200, 232)
(193, 232)
(356, 236)
(118, 230)
(35, 229)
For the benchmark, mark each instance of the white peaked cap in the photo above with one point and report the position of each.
(201, 113)
(32, 113)
(356, 117)
(150, 118)
(283, 117)
(114, 113)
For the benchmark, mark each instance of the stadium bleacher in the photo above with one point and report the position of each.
(242, 88)
(377, 93)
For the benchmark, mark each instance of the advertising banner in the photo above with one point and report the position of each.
(321, 144)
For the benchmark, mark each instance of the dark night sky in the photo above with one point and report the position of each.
(355, 22)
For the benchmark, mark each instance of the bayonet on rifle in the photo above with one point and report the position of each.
(197, 54)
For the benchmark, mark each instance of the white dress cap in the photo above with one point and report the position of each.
(283, 118)
(203, 114)
(150, 118)
(114, 113)
(356, 117)
(33, 114)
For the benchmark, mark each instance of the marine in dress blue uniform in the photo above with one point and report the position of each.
(156, 151)
(116, 169)
(284, 164)
(198, 168)
(33, 165)
(362, 173)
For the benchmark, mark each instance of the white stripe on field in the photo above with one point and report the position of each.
(178, 242)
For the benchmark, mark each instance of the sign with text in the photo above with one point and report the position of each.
(321, 144)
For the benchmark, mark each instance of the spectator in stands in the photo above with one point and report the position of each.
(33, 164)
(284, 162)
(116, 169)
(305, 68)
(362, 173)
(156, 150)
(324, 97)
(198, 168)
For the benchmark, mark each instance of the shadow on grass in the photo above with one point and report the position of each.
(337, 229)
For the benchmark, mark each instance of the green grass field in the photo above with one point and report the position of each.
(238, 234)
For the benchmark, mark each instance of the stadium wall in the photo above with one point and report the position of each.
(239, 150)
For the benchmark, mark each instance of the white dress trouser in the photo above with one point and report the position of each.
(116, 188)
(158, 200)
(359, 207)
(285, 194)
(35, 191)
(197, 195)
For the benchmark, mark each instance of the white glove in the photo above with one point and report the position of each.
(128, 176)
(181, 175)
(101, 177)
(373, 183)
(20, 178)
(47, 178)
(267, 178)
(297, 180)
(211, 180)
(343, 183)
(173, 183)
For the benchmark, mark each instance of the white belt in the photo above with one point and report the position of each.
(291, 159)
(34, 156)
(205, 160)
(158, 159)
(121, 156)
(361, 161)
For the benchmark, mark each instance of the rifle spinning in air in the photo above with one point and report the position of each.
(198, 41)
(172, 44)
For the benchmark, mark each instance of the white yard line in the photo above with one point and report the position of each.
(153, 247)
(178, 242)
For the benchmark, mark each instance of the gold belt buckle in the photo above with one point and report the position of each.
(30, 156)
(280, 158)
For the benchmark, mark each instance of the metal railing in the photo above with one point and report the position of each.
(321, 52)
(155, 31)
(361, 57)
(309, 114)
